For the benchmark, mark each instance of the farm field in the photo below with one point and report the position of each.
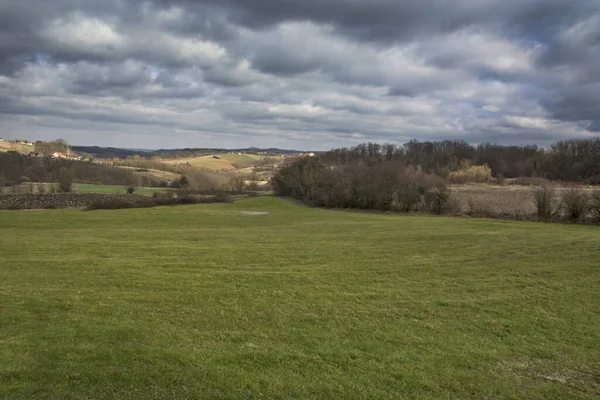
(223, 162)
(153, 173)
(90, 188)
(500, 199)
(215, 301)
(12, 146)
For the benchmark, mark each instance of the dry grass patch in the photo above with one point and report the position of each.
(503, 201)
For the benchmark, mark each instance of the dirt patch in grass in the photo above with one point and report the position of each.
(244, 212)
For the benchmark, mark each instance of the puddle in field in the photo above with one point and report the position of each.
(254, 212)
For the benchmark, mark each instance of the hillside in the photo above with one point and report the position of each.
(107, 152)
(111, 152)
(221, 161)
(12, 146)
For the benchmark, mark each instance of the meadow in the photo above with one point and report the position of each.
(12, 146)
(111, 189)
(213, 301)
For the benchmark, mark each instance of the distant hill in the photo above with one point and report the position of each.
(107, 152)
(110, 152)
(251, 150)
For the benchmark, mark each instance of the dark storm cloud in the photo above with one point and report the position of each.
(312, 72)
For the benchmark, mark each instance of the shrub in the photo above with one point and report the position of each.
(222, 198)
(575, 203)
(130, 190)
(472, 173)
(253, 186)
(146, 202)
(545, 201)
(237, 183)
(65, 180)
(595, 205)
(183, 182)
(438, 199)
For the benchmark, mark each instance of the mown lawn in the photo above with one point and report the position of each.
(90, 188)
(198, 302)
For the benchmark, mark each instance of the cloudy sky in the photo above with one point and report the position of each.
(305, 74)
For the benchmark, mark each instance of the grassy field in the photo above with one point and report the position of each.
(12, 146)
(205, 301)
(89, 188)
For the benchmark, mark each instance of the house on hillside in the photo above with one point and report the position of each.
(71, 156)
(34, 154)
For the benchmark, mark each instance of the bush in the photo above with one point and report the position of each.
(237, 183)
(222, 198)
(471, 174)
(253, 186)
(130, 190)
(180, 183)
(545, 202)
(65, 180)
(438, 199)
(146, 202)
(575, 203)
(595, 206)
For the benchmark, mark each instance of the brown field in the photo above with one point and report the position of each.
(224, 162)
(153, 173)
(498, 200)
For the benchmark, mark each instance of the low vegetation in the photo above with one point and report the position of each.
(471, 174)
(204, 301)
(53, 201)
(154, 201)
(377, 177)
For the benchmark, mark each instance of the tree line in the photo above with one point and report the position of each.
(576, 160)
(412, 177)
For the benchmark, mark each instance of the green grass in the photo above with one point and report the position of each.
(12, 146)
(200, 302)
(90, 188)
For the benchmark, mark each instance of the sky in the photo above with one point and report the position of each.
(308, 75)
